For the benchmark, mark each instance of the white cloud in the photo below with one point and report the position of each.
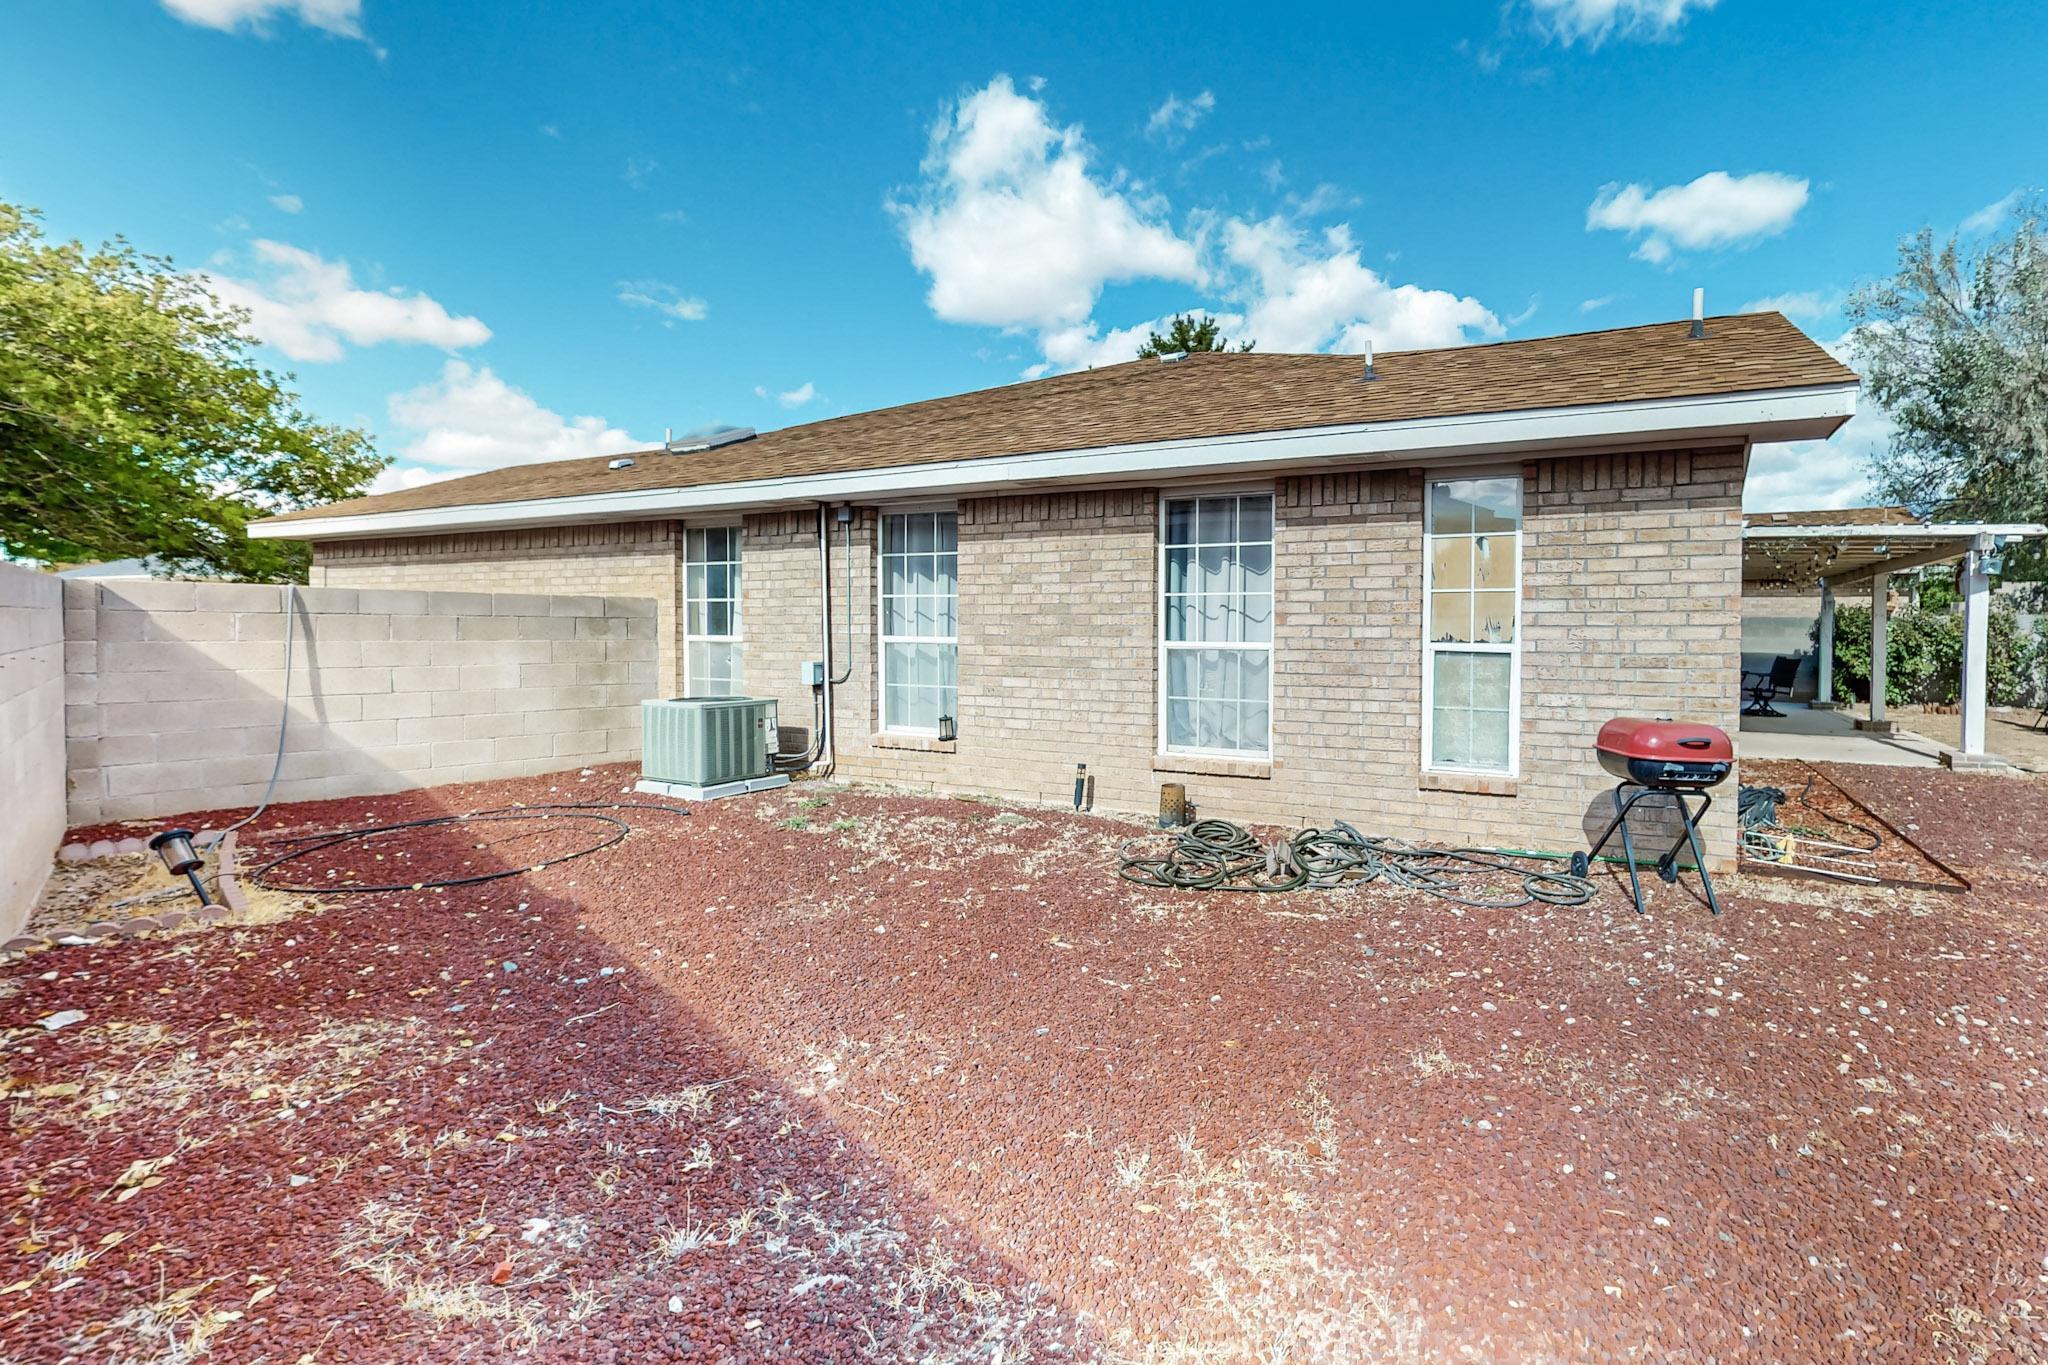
(1593, 22)
(1718, 209)
(1804, 476)
(639, 170)
(1087, 345)
(1314, 294)
(343, 17)
(399, 477)
(663, 298)
(310, 308)
(1595, 305)
(1808, 304)
(1177, 117)
(470, 419)
(1320, 200)
(792, 398)
(287, 203)
(1015, 231)
(1012, 228)
(1991, 215)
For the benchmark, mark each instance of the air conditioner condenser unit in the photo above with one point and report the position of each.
(702, 748)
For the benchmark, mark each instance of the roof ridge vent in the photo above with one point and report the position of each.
(706, 438)
(623, 462)
(1172, 357)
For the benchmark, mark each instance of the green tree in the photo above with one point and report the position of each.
(1189, 333)
(134, 422)
(1954, 346)
(1924, 656)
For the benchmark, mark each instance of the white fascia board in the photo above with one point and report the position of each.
(1940, 530)
(1775, 415)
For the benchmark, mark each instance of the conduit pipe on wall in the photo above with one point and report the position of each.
(826, 679)
(821, 749)
(845, 516)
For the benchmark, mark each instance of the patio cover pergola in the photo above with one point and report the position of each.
(1860, 548)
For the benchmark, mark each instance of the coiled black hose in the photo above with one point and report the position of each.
(1217, 855)
(1757, 808)
(610, 830)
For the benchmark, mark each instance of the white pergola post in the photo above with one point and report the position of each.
(1824, 655)
(1880, 618)
(1976, 642)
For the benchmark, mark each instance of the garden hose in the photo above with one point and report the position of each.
(1217, 855)
(1756, 809)
(610, 830)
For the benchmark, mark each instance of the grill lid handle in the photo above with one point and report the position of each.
(1697, 742)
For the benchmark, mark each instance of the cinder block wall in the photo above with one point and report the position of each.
(1631, 606)
(631, 559)
(31, 736)
(173, 690)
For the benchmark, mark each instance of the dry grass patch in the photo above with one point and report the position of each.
(1265, 1280)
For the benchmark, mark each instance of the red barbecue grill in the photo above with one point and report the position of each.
(1669, 761)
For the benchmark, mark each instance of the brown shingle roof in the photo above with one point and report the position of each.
(1205, 395)
(1837, 516)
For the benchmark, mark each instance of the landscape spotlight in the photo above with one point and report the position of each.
(174, 846)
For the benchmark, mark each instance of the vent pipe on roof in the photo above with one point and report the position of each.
(1370, 372)
(1699, 313)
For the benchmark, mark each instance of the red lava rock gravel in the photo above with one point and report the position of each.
(893, 1077)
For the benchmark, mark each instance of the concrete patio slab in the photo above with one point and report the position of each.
(1831, 736)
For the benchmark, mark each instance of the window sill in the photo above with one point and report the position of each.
(1212, 767)
(923, 744)
(1473, 784)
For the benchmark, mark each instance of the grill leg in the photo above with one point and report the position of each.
(1699, 856)
(1628, 845)
(1667, 866)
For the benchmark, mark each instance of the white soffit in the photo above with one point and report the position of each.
(1776, 415)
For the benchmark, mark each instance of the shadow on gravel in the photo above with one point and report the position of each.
(435, 1124)
(896, 1077)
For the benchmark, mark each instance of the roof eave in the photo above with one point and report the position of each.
(1793, 414)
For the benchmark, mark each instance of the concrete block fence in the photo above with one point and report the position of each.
(172, 690)
(31, 736)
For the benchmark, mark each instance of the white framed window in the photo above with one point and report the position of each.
(1472, 620)
(919, 606)
(1216, 624)
(711, 612)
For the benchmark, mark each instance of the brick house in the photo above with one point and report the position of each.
(1406, 597)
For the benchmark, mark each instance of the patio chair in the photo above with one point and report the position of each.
(1765, 686)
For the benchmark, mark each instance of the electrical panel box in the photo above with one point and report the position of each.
(812, 672)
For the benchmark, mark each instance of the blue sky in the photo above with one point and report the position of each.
(490, 232)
